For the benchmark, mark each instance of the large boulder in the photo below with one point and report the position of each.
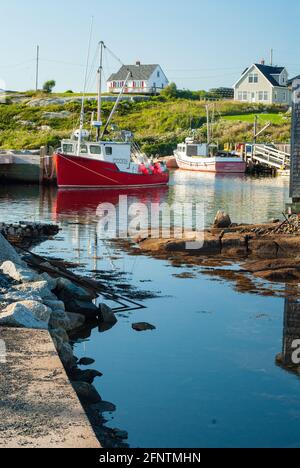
(52, 282)
(222, 220)
(66, 355)
(7, 252)
(66, 321)
(86, 392)
(66, 290)
(106, 315)
(37, 288)
(74, 321)
(26, 314)
(18, 271)
(85, 308)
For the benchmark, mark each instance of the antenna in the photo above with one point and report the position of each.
(37, 68)
(271, 57)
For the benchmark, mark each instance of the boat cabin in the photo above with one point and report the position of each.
(108, 151)
(193, 149)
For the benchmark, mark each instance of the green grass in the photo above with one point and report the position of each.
(264, 118)
(158, 124)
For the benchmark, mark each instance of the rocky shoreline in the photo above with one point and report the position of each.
(267, 251)
(31, 298)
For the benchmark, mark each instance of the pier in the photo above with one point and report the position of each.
(38, 408)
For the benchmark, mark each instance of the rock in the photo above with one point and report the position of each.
(66, 356)
(38, 288)
(222, 220)
(143, 326)
(8, 253)
(86, 392)
(66, 290)
(26, 314)
(66, 321)
(87, 376)
(18, 272)
(104, 407)
(61, 334)
(120, 434)
(56, 115)
(106, 315)
(86, 362)
(85, 308)
(56, 306)
(75, 321)
(52, 282)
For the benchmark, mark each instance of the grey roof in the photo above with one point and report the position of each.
(268, 71)
(290, 82)
(138, 72)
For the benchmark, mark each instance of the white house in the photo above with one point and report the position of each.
(265, 84)
(144, 79)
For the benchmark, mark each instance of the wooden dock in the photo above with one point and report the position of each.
(36, 167)
(38, 406)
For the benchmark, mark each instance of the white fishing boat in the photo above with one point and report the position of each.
(193, 155)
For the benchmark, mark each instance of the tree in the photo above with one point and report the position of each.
(170, 91)
(49, 85)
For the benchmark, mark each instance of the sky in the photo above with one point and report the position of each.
(200, 44)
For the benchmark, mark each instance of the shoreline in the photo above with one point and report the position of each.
(33, 300)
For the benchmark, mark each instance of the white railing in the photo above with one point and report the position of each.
(271, 156)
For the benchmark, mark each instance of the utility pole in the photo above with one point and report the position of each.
(255, 128)
(37, 68)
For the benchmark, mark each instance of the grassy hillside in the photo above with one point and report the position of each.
(158, 124)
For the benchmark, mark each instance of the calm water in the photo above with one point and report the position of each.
(207, 376)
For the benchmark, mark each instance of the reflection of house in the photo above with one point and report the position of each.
(263, 83)
(144, 79)
(291, 333)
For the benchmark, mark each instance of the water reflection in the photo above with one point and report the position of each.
(291, 332)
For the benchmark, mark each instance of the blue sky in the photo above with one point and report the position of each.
(199, 43)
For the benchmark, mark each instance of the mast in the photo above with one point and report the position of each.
(84, 89)
(208, 124)
(100, 70)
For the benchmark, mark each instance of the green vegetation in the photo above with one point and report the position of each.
(158, 124)
(49, 86)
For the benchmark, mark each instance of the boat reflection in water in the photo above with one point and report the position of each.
(85, 202)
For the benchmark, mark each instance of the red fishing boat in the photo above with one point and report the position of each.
(105, 163)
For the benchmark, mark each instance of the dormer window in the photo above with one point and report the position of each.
(253, 78)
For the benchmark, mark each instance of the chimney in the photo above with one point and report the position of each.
(138, 63)
(263, 62)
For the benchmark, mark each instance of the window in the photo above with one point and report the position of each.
(240, 96)
(83, 149)
(245, 96)
(253, 78)
(95, 149)
(284, 96)
(68, 148)
(108, 150)
(260, 96)
(158, 74)
(266, 96)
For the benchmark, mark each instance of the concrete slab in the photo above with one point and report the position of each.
(38, 406)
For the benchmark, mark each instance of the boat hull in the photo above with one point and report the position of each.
(213, 165)
(80, 172)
